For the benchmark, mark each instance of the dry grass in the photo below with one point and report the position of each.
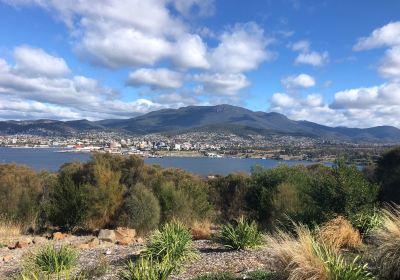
(339, 234)
(297, 257)
(387, 238)
(9, 230)
(201, 230)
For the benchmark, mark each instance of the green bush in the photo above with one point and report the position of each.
(172, 244)
(140, 210)
(51, 260)
(67, 204)
(240, 235)
(21, 189)
(216, 276)
(146, 268)
(388, 175)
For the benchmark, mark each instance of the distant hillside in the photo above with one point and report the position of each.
(219, 118)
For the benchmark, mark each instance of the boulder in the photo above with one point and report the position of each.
(107, 235)
(23, 243)
(125, 234)
(59, 235)
(92, 243)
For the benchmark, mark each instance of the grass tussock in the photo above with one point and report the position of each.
(387, 238)
(302, 257)
(9, 230)
(240, 235)
(55, 260)
(339, 234)
(146, 268)
(201, 230)
(172, 244)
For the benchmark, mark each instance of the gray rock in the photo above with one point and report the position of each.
(107, 235)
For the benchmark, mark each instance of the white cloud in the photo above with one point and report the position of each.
(313, 58)
(37, 94)
(241, 49)
(223, 84)
(390, 65)
(190, 52)
(161, 78)
(308, 56)
(36, 62)
(300, 46)
(359, 107)
(388, 35)
(190, 7)
(299, 81)
(281, 100)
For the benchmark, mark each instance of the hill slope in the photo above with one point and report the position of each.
(205, 118)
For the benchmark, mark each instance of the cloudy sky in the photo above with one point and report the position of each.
(335, 62)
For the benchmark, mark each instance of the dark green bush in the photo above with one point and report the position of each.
(52, 260)
(388, 175)
(146, 269)
(140, 210)
(262, 275)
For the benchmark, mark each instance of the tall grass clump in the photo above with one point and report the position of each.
(172, 244)
(146, 268)
(387, 238)
(9, 230)
(302, 257)
(240, 235)
(52, 260)
(339, 234)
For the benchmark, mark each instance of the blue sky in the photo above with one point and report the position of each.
(332, 62)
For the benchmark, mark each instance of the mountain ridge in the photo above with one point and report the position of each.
(206, 118)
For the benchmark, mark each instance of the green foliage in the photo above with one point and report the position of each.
(67, 204)
(140, 210)
(339, 190)
(240, 235)
(339, 269)
(262, 275)
(216, 276)
(52, 260)
(367, 221)
(21, 189)
(228, 194)
(172, 244)
(146, 268)
(388, 175)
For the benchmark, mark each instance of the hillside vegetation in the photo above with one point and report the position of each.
(319, 222)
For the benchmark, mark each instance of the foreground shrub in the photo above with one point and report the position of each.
(146, 268)
(338, 234)
(303, 258)
(20, 191)
(140, 210)
(172, 244)
(387, 238)
(9, 229)
(216, 276)
(240, 235)
(367, 221)
(52, 260)
(201, 230)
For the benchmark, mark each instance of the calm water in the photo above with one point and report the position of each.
(49, 159)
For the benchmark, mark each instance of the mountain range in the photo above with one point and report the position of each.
(219, 118)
